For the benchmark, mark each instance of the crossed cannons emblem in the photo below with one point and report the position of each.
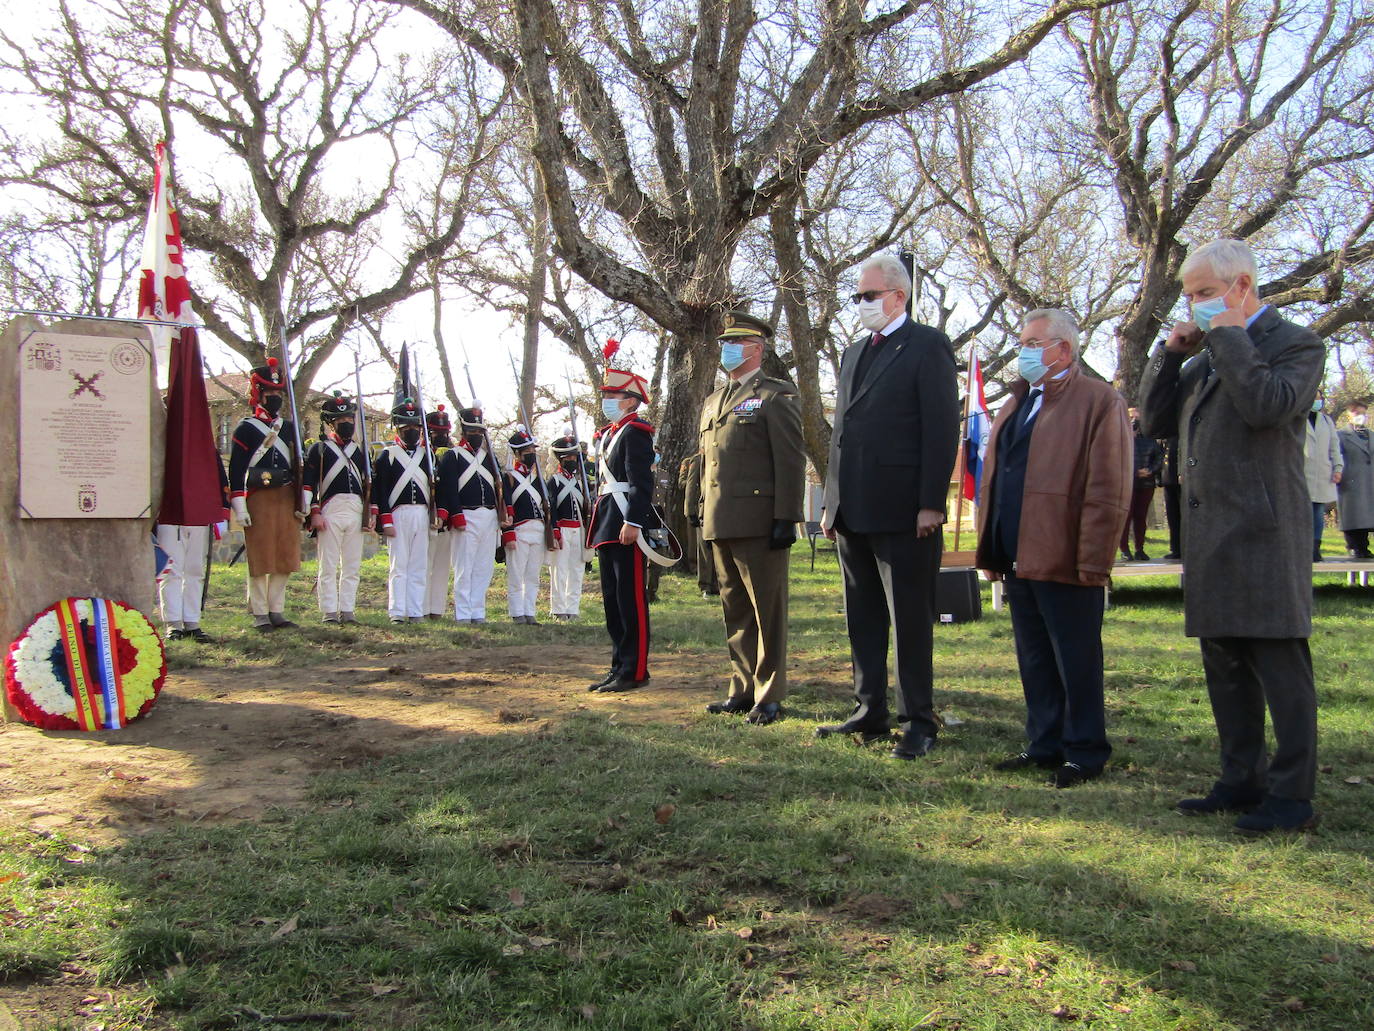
(83, 384)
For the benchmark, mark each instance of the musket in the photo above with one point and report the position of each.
(581, 462)
(365, 444)
(498, 485)
(538, 475)
(424, 431)
(299, 469)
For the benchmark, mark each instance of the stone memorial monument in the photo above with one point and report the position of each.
(83, 429)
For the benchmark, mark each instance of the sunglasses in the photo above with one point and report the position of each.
(869, 295)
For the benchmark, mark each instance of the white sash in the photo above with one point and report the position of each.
(476, 467)
(412, 471)
(271, 439)
(569, 489)
(345, 461)
(524, 485)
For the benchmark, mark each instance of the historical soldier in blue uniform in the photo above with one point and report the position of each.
(336, 487)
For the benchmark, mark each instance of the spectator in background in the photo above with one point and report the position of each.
(1323, 466)
(1356, 487)
(1239, 407)
(1173, 489)
(1057, 488)
(1149, 460)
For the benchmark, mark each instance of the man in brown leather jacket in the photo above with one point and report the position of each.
(1056, 491)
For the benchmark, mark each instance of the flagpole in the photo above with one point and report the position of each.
(960, 461)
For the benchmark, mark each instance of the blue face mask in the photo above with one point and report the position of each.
(1317, 405)
(610, 408)
(731, 356)
(1205, 311)
(1030, 364)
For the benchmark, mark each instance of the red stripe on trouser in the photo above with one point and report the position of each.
(642, 610)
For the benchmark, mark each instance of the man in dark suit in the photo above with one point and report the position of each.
(1239, 408)
(891, 455)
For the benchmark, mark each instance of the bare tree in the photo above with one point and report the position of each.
(688, 121)
(1228, 120)
(279, 107)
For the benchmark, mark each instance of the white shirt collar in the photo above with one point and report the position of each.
(894, 325)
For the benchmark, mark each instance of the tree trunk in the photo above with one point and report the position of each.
(786, 235)
(539, 246)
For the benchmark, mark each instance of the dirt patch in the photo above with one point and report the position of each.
(229, 745)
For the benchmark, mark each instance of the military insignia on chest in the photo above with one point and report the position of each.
(749, 406)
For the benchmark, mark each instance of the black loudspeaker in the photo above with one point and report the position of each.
(957, 596)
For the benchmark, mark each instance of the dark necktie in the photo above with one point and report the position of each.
(877, 340)
(1025, 412)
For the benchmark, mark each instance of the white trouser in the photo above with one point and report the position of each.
(522, 569)
(340, 549)
(474, 561)
(179, 592)
(566, 573)
(409, 556)
(267, 593)
(440, 565)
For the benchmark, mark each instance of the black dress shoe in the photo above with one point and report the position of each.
(1173, 556)
(913, 746)
(734, 704)
(1071, 774)
(1021, 760)
(762, 715)
(609, 678)
(1278, 814)
(1223, 798)
(175, 634)
(866, 732)
(621, 684)
(199, 636)
(1140, 556)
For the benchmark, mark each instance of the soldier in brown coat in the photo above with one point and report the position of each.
(753, 470)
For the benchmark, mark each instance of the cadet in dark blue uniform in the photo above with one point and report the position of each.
(336, 487)
(623, 511)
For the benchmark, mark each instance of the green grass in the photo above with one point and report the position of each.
(522, 880)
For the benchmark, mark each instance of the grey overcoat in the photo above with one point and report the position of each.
(1239, 410)
(1355, 503)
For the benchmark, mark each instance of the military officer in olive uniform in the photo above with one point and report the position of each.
(753, 471)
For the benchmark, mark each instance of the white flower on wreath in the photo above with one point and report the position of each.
(34, 670)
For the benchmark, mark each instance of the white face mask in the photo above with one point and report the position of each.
(871, 315)
(610, 408)
(1358, 420)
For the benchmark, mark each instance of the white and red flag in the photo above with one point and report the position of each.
(193, 475)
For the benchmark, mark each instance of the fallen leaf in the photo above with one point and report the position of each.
(517, 897)
(537, 942)
(678, 917)
(952, 900)
(748, 961)
(1354, 780)
(1327, 768)
(121, 775)
(588, 1011)
(665, 812)
(383, 989)
(1120, 1008)
(969, 844)
(745, 933)
(711, 924)
(4, 877)
(1330, 957)
(842, 859)
(1002, 971)
(1063, 1013)
(1186, 965)
(286, 928)
(513, 950)
(1293, 1004)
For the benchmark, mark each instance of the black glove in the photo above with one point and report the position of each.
(784, 534)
